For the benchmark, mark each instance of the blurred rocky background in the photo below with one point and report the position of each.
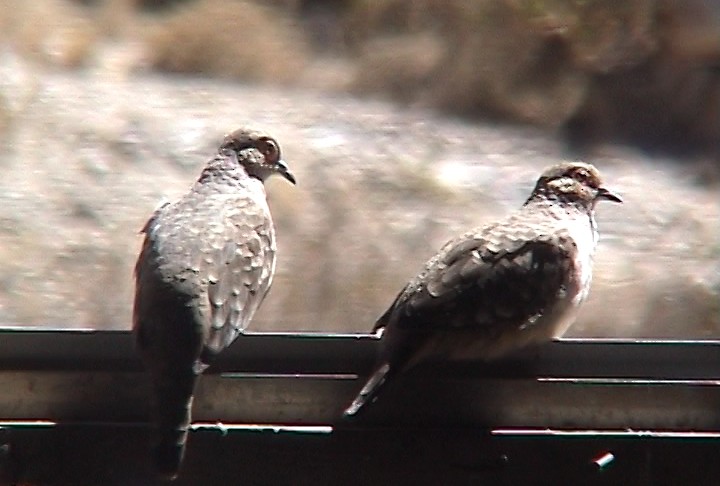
(406, 122)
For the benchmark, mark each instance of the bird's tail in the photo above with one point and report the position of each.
(369, 391)
(174, 396)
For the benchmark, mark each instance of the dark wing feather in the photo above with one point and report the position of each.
(480, 283)
(487, 283)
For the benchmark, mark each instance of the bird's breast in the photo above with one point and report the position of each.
(584, 234)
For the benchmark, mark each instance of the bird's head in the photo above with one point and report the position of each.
(257, 152)
(573, 182)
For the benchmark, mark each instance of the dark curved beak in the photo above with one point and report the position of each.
(284, 171)
(609, 195)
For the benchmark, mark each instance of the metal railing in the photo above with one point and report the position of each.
(602, 390)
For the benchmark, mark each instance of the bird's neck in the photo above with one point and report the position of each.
(560, 210)
(567, 202)
(224, 170)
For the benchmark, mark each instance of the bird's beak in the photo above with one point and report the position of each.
(284, 170)
(609, 195)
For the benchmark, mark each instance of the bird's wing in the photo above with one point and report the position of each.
(143, 263)
(487, 282)
(451, 251)
(239, 262)
(218, 253)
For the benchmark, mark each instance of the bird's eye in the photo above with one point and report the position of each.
(270, 149)
(582, 175)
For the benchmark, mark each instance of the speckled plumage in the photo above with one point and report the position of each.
(206, 263)
(498, 287)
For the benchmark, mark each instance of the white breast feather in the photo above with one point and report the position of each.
(584, 233)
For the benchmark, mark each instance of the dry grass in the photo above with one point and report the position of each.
(520, 59)
(640, 69)
(401, 66)
(637, 70)
(234, 39)
(52, 32)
